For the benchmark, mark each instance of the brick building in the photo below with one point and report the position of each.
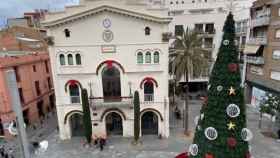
(35, 87)
(263, 51)
(23, 39)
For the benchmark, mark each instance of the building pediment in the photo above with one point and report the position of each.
(68, 18)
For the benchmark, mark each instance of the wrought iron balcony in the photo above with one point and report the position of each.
(75, 99)
(148, 97)
(126, 101)
(258, 40)
(261, 21)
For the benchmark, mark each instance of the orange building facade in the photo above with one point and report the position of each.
(35, 87)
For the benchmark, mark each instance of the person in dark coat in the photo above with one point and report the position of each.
(101, 143)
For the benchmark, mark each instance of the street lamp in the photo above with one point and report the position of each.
(129, 84)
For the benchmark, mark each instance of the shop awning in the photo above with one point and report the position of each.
(251, 49)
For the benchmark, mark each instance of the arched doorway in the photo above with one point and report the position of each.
(149, 123)
(111, 83)
(76, 125)
(114, 124)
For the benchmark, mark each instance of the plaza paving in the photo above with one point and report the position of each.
(152, 147)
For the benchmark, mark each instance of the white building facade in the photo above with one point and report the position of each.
(207, 17)
(111, 49)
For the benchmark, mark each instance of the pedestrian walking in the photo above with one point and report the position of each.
(101, 143)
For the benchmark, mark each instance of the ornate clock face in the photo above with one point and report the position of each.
(107, 23)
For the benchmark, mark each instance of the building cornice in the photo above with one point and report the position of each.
(105, 8)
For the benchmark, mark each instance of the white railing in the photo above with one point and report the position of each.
(255, 60)
(261, 21)
(75, 99)
(111, 101)
(149, 97)
(258, 40)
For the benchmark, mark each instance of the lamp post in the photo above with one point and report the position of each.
(17, 108)
(129, 84)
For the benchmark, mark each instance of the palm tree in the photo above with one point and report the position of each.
(187, 57)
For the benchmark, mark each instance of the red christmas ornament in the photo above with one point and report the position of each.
(248, 155)
(232, 67)
(231, 142)
(182, 155)
(209, 155)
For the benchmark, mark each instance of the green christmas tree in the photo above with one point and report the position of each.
(221, 127)
(86, 116)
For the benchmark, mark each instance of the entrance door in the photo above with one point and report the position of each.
(76, 124)
(149, 123)
(25, 116)
(40, 109)
(111, 84)
(114, 124)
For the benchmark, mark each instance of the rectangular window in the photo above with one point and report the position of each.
(243, 40)
(278, 11)
(34, 68)
(208, 43)
(238, 27)
(277, 33)
(179, 30)
(275, 75)
(21, 97)
(49, 82)
(17, 74)
(209, 28)
(198, 28)
(276, 55)
(47, 66)
(37, 87)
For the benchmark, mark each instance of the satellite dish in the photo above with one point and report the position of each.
(13, 128)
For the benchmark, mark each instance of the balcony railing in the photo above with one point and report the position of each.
(255, 60)
(148, 97)
(261, 21)
(257, 40)
(111, 101)
(75, 99)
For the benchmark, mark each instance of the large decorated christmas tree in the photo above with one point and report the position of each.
(221, 127)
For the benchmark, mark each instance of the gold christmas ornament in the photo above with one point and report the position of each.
(231, 91)
(231, 126)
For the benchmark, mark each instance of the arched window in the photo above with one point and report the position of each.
(74, 93)
(78, 59)
(148, 57)
(156, 57)
(70, 59)
(148, 91)
(62, 59)
(147, 31)
(139, 57)
(67, 33)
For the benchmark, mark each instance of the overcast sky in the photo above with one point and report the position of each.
(16, 8)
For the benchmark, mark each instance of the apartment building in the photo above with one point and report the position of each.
(35, 87)
(263, 51)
